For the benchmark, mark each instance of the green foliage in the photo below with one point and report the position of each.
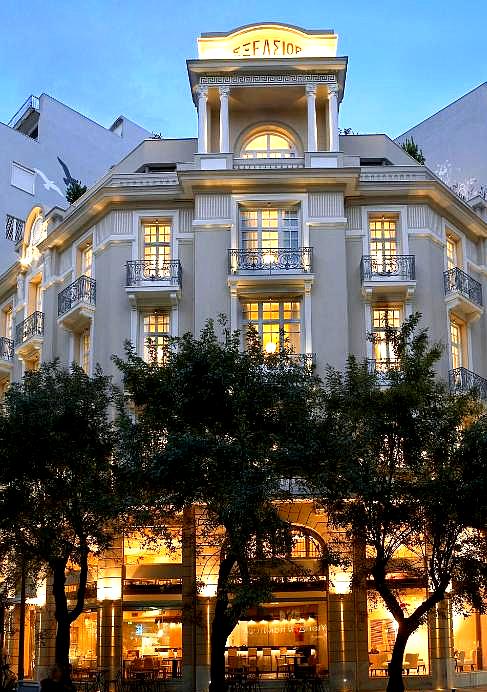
(59, 499)
(411, 148)
(403, 469)
(220, 427)
(74, 191)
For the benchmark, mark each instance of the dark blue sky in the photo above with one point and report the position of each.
(105, 57)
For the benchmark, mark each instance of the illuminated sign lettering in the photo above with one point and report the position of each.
(268, 47)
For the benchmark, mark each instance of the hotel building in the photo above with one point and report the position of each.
(270, 215)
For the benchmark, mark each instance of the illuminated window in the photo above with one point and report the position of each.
(156, 335)
(305, 545)
(451, 252)
(157, 245)
(87, 260)
(456, 344)
(384, 317)
(278, 323)
(268, 145)
(85, 350)
(269, 228)
(382, 242)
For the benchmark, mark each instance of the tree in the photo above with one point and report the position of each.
(411, 148)
(74, 191)
(59, 476)
(402, 472)
(219, 426)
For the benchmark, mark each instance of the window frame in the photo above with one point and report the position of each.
(260, 231)
(390, 355)
(144, 335)
(261, 322)
(269, 152)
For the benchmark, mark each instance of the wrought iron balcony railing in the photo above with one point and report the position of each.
(382, 367)
(32, 326)
(270, 260)
(145, 271)
(399, 267)
(6, 348)
(462, 381)
(83, 290)
(457, 280)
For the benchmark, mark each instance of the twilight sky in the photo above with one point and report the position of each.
(109, 57)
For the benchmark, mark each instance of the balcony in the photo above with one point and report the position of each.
(6, 356)
(388, 275)
(382, 368)
(463, 294)
(271, 163)
(76, 304)
(271, 260)
(29, 336)
(461, 381)
(154, 284)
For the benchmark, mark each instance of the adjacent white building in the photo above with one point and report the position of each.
(44, 145)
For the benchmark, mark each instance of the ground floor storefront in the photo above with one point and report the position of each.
(145, 623)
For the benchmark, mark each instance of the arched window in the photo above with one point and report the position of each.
(305, 545)
(269, 145)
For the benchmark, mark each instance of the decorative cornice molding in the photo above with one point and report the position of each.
(142, 180)
(263, 80)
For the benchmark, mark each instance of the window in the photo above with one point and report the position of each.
(305, 545)
(86, 260)
(268, 145)
(156, 335)
(23, 178)
(35, 296)
(7, 322)
(85, 350)
(383, 242)
(384, 317)
(451, 252)
(157, 245)
(278, 323)
(269, 228)
(456, 343)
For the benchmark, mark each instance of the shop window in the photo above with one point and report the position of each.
(382, 630)
(82, 652)
(152, 639)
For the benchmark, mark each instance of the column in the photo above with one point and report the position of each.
(224, 120)
(202, 119)
(333, 117)
(311, 108)
(109, 595)
(440, 646)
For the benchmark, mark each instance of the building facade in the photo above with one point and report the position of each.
(42, 147)
(454, 142)
(269, 216)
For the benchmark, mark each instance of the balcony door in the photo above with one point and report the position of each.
(157, 249)
(86, 264)
(383, 245)
(278, 323)
(457, 344)
(269, 229)
(383, 319)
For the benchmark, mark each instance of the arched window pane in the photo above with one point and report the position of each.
(268, 145)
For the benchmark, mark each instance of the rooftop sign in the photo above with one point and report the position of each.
(268, 41)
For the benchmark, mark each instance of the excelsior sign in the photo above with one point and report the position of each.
(267, 41)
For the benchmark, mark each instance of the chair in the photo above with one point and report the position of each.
(410, 662)
(377, 663)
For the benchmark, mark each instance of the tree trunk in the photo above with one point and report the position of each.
(62, 617)
(396, 682)
(20, 666)
(218, 640)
